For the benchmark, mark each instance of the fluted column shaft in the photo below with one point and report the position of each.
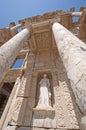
(73, 54)
(10, 50)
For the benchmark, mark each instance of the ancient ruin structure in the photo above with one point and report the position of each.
(48, 92)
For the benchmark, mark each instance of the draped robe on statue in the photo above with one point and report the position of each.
(44, 93)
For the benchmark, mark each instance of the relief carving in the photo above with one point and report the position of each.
(16, 111)
(59, 109)
(69, 105)
(65, 110)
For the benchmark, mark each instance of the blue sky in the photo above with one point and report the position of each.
(14, 10)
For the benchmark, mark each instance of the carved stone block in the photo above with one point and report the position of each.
(65, 111)
(44, 118)
(24, 128)
(32, 89)
(27, 118)
(37, 128)
(10, 128)
(22, 113)
(83, 123)
(34, 128)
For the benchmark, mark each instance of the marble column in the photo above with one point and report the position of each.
(10, 50)
(73, 54)
(15, 27)
(77, 14)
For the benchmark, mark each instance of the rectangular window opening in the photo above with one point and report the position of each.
(18, 63)
(75, 19)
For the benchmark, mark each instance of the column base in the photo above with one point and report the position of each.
(44, 118)
(83, 123)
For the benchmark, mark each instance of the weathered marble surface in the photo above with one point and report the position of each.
(83, 123)
(44, 118)
(22, 112)
(65, 111)
(34, 128)
(10, 50)
(73, 54)
(10, 128)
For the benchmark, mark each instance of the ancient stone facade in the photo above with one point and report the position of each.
(53, 45)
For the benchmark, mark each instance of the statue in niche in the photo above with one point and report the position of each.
(44, 100)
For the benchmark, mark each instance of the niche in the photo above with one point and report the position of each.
(44, 91)
(44, 113)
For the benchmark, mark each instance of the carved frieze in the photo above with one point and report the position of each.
(44, 17)
(25, 86)
(65, 111)
(16, 111)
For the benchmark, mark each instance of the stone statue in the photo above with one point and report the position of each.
(44, 93)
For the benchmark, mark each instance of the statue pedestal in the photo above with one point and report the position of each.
(83, 123)
(44, 110)
(44, 117)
